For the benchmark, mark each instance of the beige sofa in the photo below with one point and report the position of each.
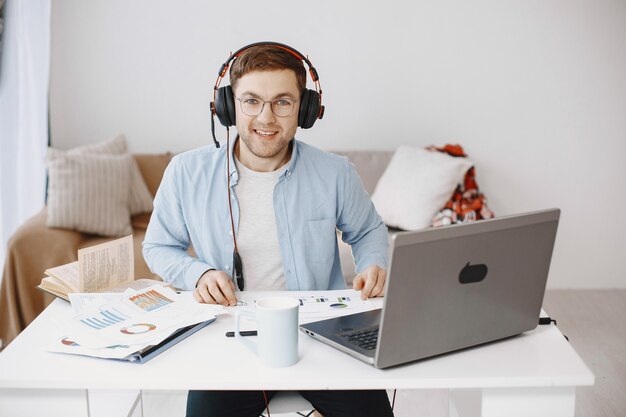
(36, 247)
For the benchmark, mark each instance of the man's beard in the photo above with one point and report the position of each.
(265, 151)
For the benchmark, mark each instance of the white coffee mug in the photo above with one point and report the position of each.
(277, 330)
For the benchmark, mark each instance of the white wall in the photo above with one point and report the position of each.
(535, 90)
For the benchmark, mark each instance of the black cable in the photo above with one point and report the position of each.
(549, 320)
(546, 320)
(267, 404)
(237, 264)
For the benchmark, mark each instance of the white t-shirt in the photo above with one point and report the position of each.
(257, 238)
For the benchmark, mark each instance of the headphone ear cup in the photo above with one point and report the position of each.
(225, 106)
(309, 108)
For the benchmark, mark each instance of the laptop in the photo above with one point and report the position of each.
(450, 288)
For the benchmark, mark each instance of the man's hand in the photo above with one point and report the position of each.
(371, 282)
(215, 287)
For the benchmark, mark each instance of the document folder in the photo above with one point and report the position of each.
(149, 352)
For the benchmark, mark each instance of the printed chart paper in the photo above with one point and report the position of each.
(132, 321)
(316, 305)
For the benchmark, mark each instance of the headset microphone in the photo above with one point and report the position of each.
(217, 144)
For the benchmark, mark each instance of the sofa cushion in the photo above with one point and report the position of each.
(370, 165)
(140, 198)
(152, 167)
(89, 193)
(416, 184)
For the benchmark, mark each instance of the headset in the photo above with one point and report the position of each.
(223, 104)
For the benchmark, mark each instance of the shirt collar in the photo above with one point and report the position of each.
(231, 155)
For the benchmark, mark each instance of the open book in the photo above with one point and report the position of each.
(107, 267)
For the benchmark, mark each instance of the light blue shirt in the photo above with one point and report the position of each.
(317, 194)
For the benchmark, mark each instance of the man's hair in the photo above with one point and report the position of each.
(267, 58)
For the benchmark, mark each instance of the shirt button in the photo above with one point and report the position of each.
(230, 232)
(226, 267)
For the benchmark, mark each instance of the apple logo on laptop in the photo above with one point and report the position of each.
(472, 273)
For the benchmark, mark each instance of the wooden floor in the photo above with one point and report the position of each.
(594, 321)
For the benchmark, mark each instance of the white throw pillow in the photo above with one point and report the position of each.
(416, 184)
(140, 199)
(89, 193)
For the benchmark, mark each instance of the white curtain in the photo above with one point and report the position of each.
(24, 69)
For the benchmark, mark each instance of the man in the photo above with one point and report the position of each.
(277, 204)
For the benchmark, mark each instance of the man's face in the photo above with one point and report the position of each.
(267, 136)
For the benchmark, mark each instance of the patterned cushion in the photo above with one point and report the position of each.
(90, 193)
(140, 199)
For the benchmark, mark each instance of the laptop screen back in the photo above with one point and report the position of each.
(461, 286)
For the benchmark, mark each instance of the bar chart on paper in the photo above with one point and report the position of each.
(150, 300)
(104, 318)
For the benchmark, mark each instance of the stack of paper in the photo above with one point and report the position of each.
(118, 325)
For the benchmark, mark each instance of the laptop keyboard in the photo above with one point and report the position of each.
(365, 339)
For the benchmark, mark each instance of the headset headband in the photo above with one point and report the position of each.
(282, 46)
(312, 71)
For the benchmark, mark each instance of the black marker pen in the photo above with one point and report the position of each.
(243, 333)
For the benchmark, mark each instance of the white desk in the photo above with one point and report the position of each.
(534, 374)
